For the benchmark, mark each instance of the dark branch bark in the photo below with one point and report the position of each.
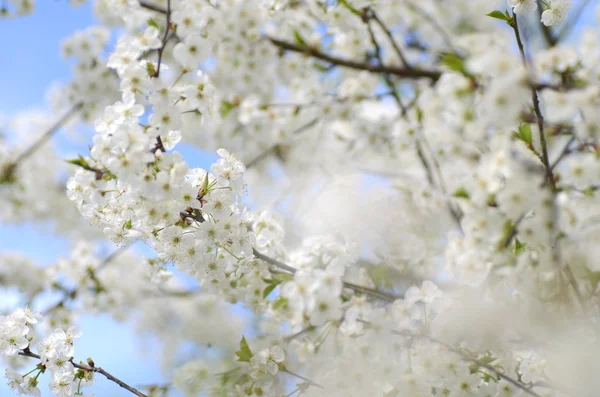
(538, 112)
(381, 295)
(164, 43)
(153, 7)
(8, 173)
(27, 353)
(412, 73)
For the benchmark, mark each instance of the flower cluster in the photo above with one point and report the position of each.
(55, 354)
(404, 197)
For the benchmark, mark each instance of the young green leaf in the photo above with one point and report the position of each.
(454, 62)
(269, 289)
(503, 16)
(461, 193)
(299, 39)
(349, 7)
(524, 134)
(497, 14)
(244, 354)
(80, 161)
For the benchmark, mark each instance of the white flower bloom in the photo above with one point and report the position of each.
(556, 11)
(62, 385)
(192, 51)
(522, 6)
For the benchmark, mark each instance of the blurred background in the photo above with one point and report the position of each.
(31, 64)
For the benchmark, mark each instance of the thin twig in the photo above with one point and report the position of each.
(263, 155)
(436, 26)
(274, 149)
(391, 38)
(153, 7)
(41, 140)
(550, 39)
(70, 294)
(563, 153)
(456, 216)
(165, 39)
(571, 277)
(467, 357)
(27, 353)
(412, 73)
(287, 371)
(573, 21)
(367, 16)
(381, 295)
(536, 107)
(301, 332)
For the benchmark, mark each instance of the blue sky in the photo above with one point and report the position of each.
(31, 63)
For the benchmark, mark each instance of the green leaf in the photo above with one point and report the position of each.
(152, 22)
(507, 234)
(150, 69)
(244, 354)
(282, 277)
(589, 191)
(269, 289)
(79, 161)
(7, 174)
(299, 39)
(498, 15)
(461, 193)
(519, 246)
(280, 303)
(349, 7)
(128, 225)
(524, 134)
(204, 188)
(503, 16)
(481, 361)
(320, 67)
(454, 62)
(226, 108)
(593, 277)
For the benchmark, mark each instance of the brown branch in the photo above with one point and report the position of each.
(153, 7)
(412, 73)
(563, 153)
(263, 155)
(9, 171)
(165, 39)
(567, 27)
(381, 295)
(390, 37)
(550, 39)
(367, 15)
(277, 147)
(71, 294)
(468, 357)
(90, 368)
(436, 26)
(536, 107)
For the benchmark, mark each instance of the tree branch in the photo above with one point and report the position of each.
(472, 359)
(165, 39)
(550, 39)
(536, 107)
(381, 295)
(367, 15)
(8, 172)
(412, 73)
(390, 37)
(27, 353)
(152, 7)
